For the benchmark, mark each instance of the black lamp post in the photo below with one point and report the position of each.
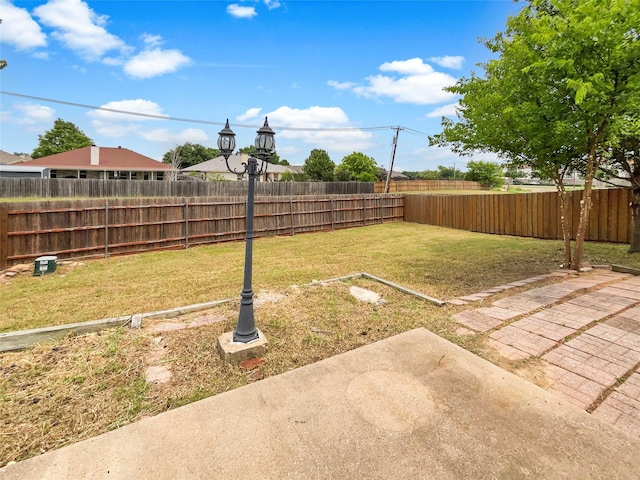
(246, 330)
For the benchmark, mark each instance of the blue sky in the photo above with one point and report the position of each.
(326, 73)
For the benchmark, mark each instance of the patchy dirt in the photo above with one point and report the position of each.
(62, 392)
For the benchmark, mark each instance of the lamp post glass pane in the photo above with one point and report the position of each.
(226, 140)
(226, 143)
(265, 142)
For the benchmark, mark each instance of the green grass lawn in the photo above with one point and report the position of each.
(442, 263)
(61, 392)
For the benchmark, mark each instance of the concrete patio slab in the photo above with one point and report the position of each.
(411, 406)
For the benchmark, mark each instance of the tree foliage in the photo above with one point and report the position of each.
(623, 162)
(566, 70)
(360, 167)
(294, 177)
(488, 174)
(63, 137)
(190, 154)
(319, 166)
(274, 159)
(442, 173)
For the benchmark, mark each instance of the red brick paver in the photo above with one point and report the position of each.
(522, 340)
(586, 329)
(622, 407)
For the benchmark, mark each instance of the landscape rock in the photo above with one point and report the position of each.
(157, 374)
(364, 295)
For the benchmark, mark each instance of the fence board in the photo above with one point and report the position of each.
(89, 228)
(426, 185)
(530, 214)
(94, 188)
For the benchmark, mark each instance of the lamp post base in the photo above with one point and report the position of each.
(236, 352)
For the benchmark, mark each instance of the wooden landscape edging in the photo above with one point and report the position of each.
(26, 338)
(20, 340)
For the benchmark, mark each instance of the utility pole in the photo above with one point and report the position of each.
(393, 156)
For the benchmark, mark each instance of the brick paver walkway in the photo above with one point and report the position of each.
(585, 328)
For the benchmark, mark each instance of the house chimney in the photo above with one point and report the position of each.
(95, 155)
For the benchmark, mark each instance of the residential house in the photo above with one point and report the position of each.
(9, 159)
(103, 163)
(12, 166)
(217, 168)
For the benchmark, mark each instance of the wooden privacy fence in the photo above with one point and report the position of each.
(424, 185)
(92, 188)
(526, 215)
(89, 228)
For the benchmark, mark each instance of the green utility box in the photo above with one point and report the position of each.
(45, 265)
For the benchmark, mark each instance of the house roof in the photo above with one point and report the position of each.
(9, 159)
(104, 158)
(218, 165)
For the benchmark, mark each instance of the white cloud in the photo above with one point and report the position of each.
(145, 107)
(152, 40)
(271, 4)
(151, 63)
(444, 111)
(32, 114)
(79, 28)
(251, 113)
(341, 85)
(416, 82)
(448, 61)
(240, 11)
(413, 66)
(117, 125)
(165, 136)
(82, 30)
(321, 117)
(19, 29)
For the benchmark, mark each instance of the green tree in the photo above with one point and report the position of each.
(319, 166)
(63, 137)
(566, 70)
(514, 172)
(623, 162)
(294, 177)
(489, 174)
(448, 173)
(190, 154)
(361, 167)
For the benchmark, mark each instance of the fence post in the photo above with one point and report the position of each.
(4, 234)
(381, 209)
(106, 228)
(292, 216)
(186, 223)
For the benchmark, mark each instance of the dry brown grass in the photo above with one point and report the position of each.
(61, 392)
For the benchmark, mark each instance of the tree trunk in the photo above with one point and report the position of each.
(564, 220)
(634, 245)
(585, 207)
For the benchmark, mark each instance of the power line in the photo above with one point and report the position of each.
(190, 120)
(415, 132)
